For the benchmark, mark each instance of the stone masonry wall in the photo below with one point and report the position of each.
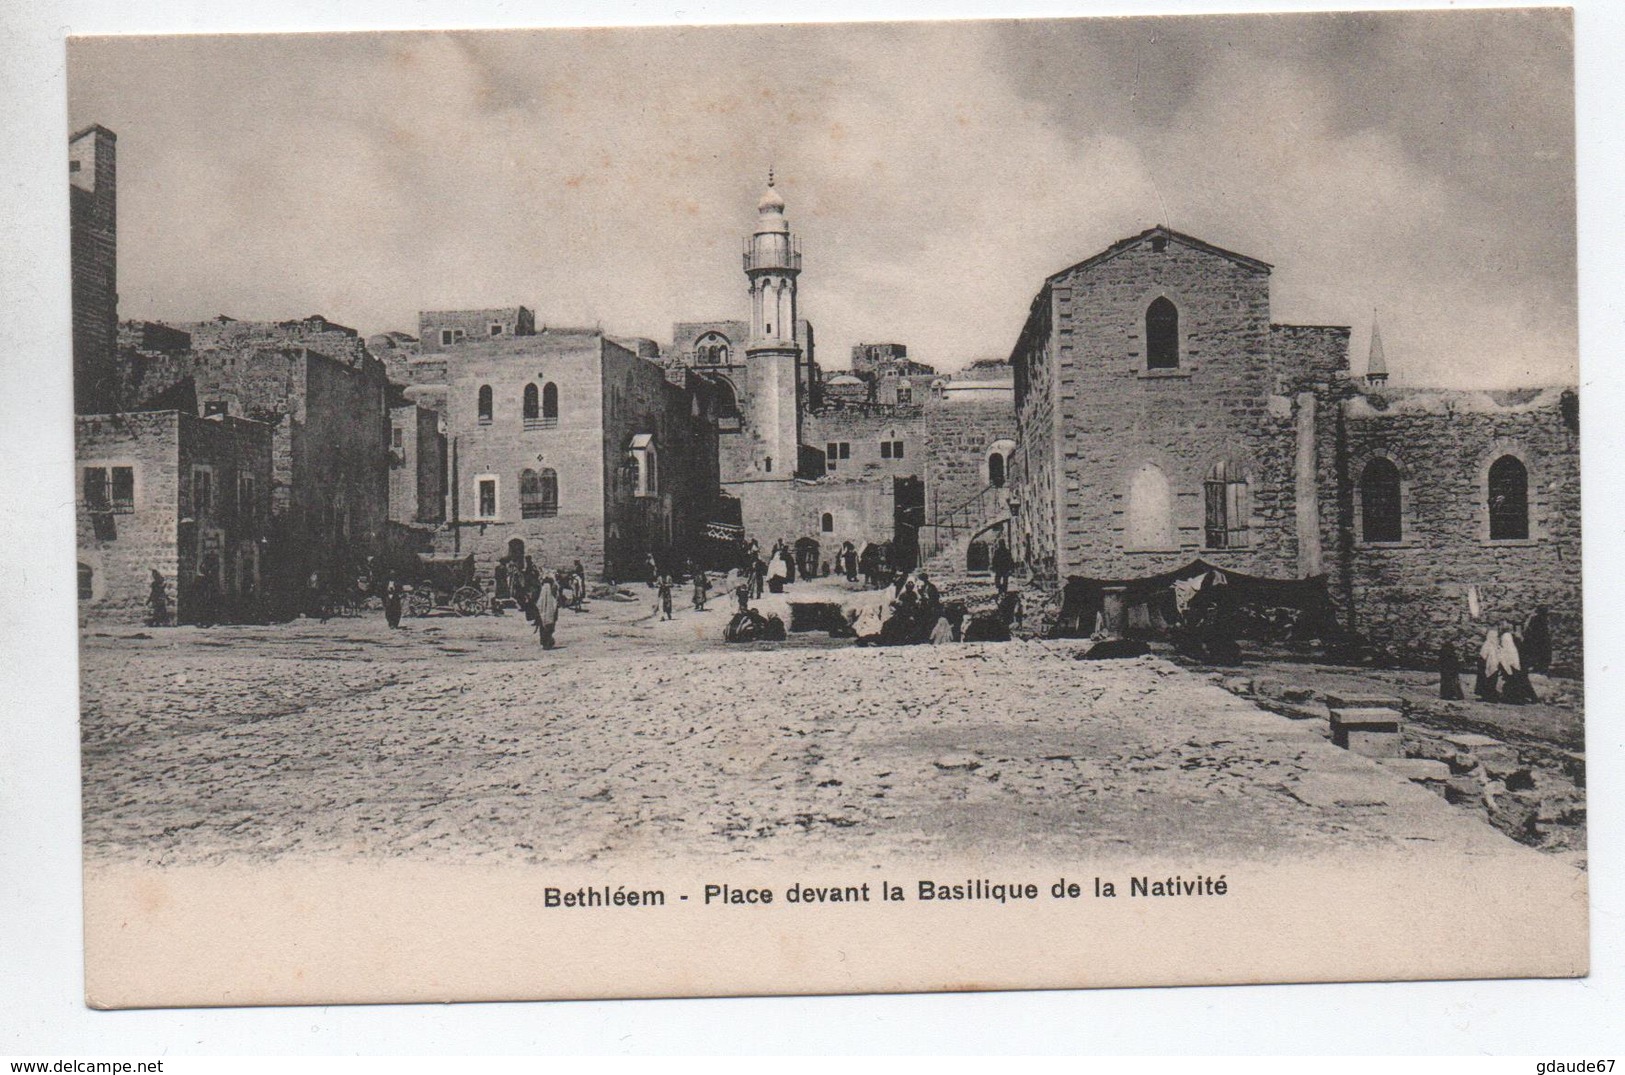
(1034, 475)
(143, 540)
(1409, 597)
(1117, 415)
(503, 448)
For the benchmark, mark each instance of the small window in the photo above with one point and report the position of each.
(445, 337)
(488, 498)
(1162, 335)
(1379, 501)
(397, 437)
(73, 166)
(532, 405)
(885, 449)
(496, 329)
(550, 401)
(485, 404)
(87, 582)
(767, 464)
(827, 523)
(897, 449)
(1509, 500)
(995, 470)
(905, 394)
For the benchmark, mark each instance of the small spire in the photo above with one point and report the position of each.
(1376, 366)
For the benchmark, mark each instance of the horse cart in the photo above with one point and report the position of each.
(448, 585)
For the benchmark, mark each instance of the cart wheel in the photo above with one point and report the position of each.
(419, 602)
(468, 601)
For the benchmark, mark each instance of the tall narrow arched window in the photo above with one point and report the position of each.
(1225, 507)
(532, 403)
(1379, 501)
(485, 404)
(995, 470)
(1162, 335)
(827, 523)
(1509, 500)
(1150, 516)
(550, 401)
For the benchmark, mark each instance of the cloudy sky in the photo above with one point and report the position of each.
(1420, 165)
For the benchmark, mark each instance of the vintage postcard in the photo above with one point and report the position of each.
(828, 508)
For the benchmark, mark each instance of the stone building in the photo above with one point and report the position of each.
(565, 445)
(1163, 417)
(185, 496)
(419, 464)
(331, 433)
(442, 329)
(875, 453)
(93, 229)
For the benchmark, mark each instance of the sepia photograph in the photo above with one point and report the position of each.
(725, 510)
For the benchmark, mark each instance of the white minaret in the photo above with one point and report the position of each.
(773, 353)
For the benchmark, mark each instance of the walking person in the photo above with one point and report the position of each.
(580, 573)
(663, 591)
(1516, 688)
(547, 610)
(1449, 674)
(702, 589)
(1537, 642)
(392, 603)
(1003, 565)
(1489, 662)
(157, 601)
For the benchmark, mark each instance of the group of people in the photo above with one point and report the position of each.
(1505, 660)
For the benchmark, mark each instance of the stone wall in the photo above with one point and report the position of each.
(120, 556)
(164, 528)
(93, 216)
(417, 466)
(960, 432)
(1407, 598)
(1034, 475)
(503, 447)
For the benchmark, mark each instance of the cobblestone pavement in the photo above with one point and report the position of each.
(459, 739)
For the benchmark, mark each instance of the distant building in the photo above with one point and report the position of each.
(185, 496)
(440, 329)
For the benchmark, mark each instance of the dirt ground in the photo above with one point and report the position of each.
(460, 739)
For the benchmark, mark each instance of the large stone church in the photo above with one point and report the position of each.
(1164, 417)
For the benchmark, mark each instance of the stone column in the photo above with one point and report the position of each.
(1307, 497)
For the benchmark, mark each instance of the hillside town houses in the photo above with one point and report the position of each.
(1151, 415)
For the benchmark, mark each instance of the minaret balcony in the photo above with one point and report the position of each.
(777, 259)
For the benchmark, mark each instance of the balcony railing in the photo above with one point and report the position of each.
(541, 423)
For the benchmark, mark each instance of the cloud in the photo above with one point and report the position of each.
(936, 173)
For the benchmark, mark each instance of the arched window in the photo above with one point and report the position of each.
(550, 401)
(1161, 335)
(485, 404)
(1225, 507)
(539, 493)
(995, 470)
(827, 523)
(1379, 501)
(1509, 500)
(1150, 524)
(532, 403)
